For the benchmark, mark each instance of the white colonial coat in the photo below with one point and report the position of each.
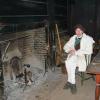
(77, 60)
(86, 47)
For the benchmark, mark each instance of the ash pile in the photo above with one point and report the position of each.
(17, 85)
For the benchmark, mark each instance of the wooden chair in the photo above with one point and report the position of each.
(83, 75)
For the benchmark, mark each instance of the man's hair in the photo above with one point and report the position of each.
(80, 27)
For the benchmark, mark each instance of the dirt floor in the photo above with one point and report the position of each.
(52, 89)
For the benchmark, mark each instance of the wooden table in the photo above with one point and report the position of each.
(94, 68)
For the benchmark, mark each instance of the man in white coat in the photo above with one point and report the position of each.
(77, 47)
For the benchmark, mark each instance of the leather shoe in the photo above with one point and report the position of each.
(73, 89)
(67, 85)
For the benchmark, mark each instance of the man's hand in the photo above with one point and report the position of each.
(72, 52)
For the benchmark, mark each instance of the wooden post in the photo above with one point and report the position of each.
(58, 36)
(97, 90)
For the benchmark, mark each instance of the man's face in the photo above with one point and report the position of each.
(78, 32)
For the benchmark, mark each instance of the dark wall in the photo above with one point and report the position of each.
(86, 12)
(32, 10)
(28, 12)
(98, 21)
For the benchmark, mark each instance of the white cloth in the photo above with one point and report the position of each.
(77, 60)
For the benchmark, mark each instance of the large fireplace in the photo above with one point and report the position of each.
(22, 52)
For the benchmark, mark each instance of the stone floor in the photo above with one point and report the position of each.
(52, 89)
